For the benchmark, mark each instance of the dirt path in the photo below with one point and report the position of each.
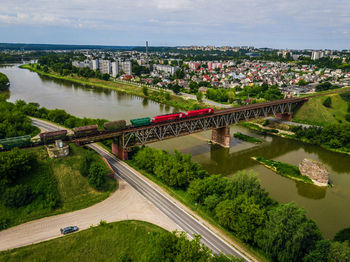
(126, 203)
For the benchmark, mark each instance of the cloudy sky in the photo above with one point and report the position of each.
(269, 23)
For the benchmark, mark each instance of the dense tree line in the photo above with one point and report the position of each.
(55, 115)
(335, 136)
(4, 82)
(177, 247)
(264, 91)
(62, 64)
(13, 121)
(239, 204)
(325, 86)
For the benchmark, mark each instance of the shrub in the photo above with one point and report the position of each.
(18, 196)
(327, 102)
(4, 223)
(347, 117)
(343, 235)
(85, 163)
(96, 176)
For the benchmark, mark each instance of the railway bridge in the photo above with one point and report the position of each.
(219, 122)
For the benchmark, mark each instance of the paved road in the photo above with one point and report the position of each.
(164, 203)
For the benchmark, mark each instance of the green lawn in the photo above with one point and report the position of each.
(314, 112)
(110, 242)
(60, 178)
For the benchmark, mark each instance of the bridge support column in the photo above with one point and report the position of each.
(119, 151)
(221, 136)
(285, 116)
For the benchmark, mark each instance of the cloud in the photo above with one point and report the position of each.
(187, 19)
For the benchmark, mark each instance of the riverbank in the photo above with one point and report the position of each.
(247, 138)
(276, 131)
(283, 169)
(161, 96)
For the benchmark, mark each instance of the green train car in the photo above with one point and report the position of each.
(140, 121)
(12, 142)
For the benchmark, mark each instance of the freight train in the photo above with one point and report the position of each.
(84, 131)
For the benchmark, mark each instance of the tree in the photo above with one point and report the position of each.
(96, 176)
(327, 102)
(339, 252)
(193, 87)
(20, 195)
(145, 90)
(343, 235)
(15, 164)
(167, 96)
(85, 163)
(199, 96)
(176, 88)
(4, 82)
(302, 82)
(241, 215)
(288, 235)
(320, 253)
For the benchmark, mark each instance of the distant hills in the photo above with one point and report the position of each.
(40, 47)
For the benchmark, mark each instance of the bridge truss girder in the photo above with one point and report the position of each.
(154, 133)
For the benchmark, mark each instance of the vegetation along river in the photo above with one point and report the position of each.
(329, 207)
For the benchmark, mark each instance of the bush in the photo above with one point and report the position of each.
(15, 164)
(327, 102)
(20, 195)
(4, 223)
(85, 163)
(96, 176)
(347, 117)
(343, 235)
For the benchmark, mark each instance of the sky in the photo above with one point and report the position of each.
(294, 24)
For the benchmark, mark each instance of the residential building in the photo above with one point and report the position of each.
(115, 68)
(126, 67)
(104, 66)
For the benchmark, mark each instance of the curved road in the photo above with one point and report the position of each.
(162, 201)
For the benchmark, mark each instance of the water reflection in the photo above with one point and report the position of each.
(310, 191)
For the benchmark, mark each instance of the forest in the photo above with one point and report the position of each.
(239, 204)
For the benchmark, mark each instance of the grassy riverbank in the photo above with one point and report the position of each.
(60, 180)
(157, 96)
(247, 138)
(284, 169)
(111, 242)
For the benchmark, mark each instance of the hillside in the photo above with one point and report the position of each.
(314, 112)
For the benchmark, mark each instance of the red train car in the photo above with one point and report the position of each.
(198, 112)
(168, 117)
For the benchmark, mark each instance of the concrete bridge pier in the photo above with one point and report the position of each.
(285, 116)
(119, 151)
(221, 136)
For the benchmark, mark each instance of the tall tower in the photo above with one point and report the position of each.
(147, 49)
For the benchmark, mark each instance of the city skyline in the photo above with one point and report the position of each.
(280, 24)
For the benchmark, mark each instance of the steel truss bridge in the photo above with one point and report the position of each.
(135, 136)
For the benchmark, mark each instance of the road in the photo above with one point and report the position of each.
(164, 203)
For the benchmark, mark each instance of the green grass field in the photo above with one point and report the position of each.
(315, 113)
(111, 242)
(62, 178)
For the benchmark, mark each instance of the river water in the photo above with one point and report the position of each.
(329, 207)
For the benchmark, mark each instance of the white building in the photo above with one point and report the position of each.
(104, 66)
(126, 67)
(317, 55)
(165, 68)
(94, 64)
(115, 68)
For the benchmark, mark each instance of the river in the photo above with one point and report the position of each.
(329, 207)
